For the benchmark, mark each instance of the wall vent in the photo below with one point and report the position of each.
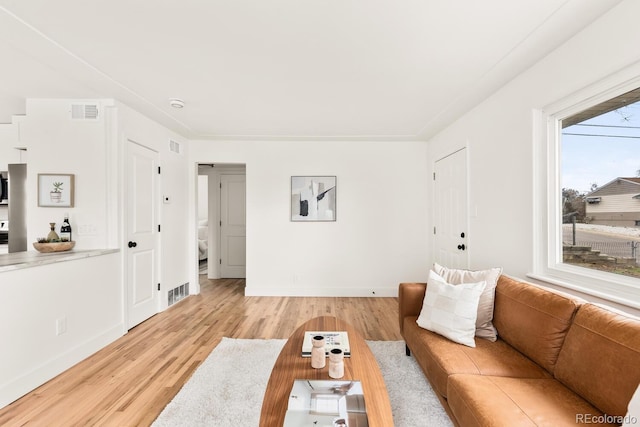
(174, 146)
(84, 112)
(178, 293)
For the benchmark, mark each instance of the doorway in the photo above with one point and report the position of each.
(226, 219)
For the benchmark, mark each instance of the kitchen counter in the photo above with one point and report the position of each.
(28, 259)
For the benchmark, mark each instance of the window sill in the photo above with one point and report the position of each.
(618, 292)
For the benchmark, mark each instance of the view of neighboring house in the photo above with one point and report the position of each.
(616, 203)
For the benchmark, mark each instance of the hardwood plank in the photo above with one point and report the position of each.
(129, 382)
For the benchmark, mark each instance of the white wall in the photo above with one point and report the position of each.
(57, 144)
(379, 239)
(499, 134)
(86, 293)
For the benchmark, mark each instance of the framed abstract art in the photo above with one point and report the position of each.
(313, 198)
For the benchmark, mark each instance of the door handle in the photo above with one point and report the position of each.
(461, 247)
(132, 244)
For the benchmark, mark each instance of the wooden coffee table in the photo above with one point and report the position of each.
(290, 365)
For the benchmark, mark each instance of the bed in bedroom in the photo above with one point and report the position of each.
(203, 239)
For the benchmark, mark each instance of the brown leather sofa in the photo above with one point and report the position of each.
(557, 361)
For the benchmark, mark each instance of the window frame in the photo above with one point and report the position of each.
(547, 219)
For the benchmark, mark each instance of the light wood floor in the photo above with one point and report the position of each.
(129, 382)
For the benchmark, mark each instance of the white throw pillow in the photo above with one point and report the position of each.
(451, 310)
(484, 321)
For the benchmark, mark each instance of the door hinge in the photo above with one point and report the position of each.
(220, 223)
(434, 176)
(158, 228)
(221, 186)
(220, 261)
(158, 286)
(434, 230)
(158, 170)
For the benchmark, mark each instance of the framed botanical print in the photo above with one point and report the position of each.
(55, 190)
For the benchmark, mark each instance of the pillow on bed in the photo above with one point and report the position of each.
(451, 310)
(484, 321)
(203, 233)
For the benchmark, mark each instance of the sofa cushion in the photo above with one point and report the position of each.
(439, 357)
(451, 310)
(484, 324)
(600, 359)
(533, 320)
(501, 401)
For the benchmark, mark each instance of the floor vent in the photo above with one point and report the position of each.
(178, 293)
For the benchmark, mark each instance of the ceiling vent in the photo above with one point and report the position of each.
(84, 112)
(174, 146)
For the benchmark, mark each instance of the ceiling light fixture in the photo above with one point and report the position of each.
(176, 103)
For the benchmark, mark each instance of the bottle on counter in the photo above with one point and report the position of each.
(52, 236)
(65, 229)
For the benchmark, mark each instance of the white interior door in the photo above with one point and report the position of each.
(142, 224)
(233, 230)
(451, 212)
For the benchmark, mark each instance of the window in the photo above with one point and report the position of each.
(600, 176)
(587, 161)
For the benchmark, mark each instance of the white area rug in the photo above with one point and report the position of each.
(227, 389)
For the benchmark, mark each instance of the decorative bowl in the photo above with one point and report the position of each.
(54, 247)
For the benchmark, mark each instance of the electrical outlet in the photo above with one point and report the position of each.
(61, 325)
(87, 230)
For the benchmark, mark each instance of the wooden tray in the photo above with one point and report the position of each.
(54, 247)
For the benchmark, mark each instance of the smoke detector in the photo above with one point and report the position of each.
(176, 103)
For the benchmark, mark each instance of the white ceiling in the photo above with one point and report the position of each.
(281, 69)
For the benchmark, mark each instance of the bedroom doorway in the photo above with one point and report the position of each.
(203, 223)
(222, 220)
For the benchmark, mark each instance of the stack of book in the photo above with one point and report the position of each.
(332, 339)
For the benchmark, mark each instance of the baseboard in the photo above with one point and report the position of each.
(18, 387)
(254, 291)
